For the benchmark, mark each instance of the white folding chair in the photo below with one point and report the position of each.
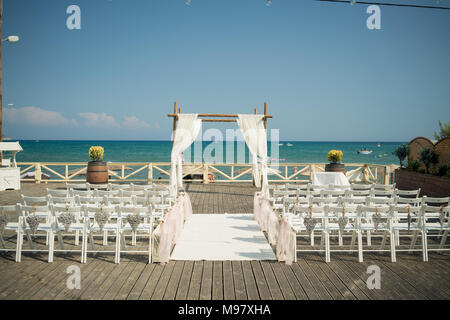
(103, 219)
(32, 219)
(385, 187)
(342, 219)
(361, 187)
(67, 220)
(406, 219)
(9, 221)
(134, 220)
(77, 186)
(375, 219)
(407, 193)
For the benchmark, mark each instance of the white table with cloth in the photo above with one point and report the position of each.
(327, 178)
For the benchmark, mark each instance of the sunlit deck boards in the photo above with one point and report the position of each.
(309, 278)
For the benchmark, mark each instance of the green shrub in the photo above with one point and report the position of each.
(401, 152)
(442, 170)
(429, 157)
(414, 166)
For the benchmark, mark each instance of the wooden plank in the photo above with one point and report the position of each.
(130, 281)
(228, 282)
(91, 292)
(158, 294)
(106, 285)
(151, 283)
(250, 283)
(120, 281)
(183, 286)
(274, 288)
(263, 289)
(141, 282)
(217, 282)
(342, 282)
(286, 290)
(206, 285)
(238, 278)
(320, 288)
(305, 283)
(297, 288)
(196, 280)
(172, 286)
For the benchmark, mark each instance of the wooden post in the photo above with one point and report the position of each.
(265, 114)
(387, 174)
(256, 111)
(366, 174)
(150, 174)
(175, 111)
(37, 173)
(205, 173)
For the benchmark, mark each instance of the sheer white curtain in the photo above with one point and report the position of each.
(187, 129)
(254, 133)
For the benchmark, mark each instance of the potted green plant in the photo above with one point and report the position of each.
(335, 158)
(97, 170)
(401, 152)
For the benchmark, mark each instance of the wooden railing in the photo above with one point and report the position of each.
(149, 172)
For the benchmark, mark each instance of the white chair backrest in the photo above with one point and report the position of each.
(77, 186)
(359, 186)
(358, 193)
(322, 201)
(345, 201)
(61, 200)
(436, 201)
(370, 201)
(27, 201)
(332, 193)
(113, 186)
(58, 192)
(81, 193)
(415, 202)
(390, 187)
(407, 193)
(97, 186)
(108, 193)
(382, 193)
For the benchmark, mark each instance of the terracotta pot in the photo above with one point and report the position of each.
(97, 172)
(335, 167)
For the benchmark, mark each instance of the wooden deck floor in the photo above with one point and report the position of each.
(310, 278)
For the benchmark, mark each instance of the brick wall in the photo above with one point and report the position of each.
(431, 186)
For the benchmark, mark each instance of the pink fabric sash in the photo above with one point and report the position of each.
(286, 244)
(172, 227)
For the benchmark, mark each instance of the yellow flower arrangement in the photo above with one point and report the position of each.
(335, 155)
(96, 153)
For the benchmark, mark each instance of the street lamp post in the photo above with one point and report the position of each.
(9, 39)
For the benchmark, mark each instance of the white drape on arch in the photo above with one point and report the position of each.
(187, 129)
(254, 133)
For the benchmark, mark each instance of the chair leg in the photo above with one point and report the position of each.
(392, 240)
(19, 243)
(369, 238)
(397, 237)
(360, 247)
(340, 238)
(105, 237)
(133, 238)
(383, 242)
(77, 237)
(312, 238)
(352, 242)
(424, 246)
(413, 241)
(51, 246)
(83, 246)
(117, 258)
(327, 246)
(443, 239)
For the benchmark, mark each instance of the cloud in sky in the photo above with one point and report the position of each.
(36, 117)
(103, 120)
(133, 122)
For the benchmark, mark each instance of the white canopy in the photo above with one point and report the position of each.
(10, 146)
(188, 127)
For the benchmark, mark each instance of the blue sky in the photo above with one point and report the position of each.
(323, 73)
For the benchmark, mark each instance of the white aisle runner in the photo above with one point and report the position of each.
(222, 237)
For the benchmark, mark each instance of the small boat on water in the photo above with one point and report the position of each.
(364, 151)
(289, 144)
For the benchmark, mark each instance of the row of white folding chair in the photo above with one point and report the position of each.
(79, 219)
(111, 186)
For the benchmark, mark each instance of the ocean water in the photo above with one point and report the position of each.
(159, 151)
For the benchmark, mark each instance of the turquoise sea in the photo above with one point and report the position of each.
(159, 151)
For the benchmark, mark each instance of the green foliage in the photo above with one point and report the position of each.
(429, 157)
(414, 166)
(444, 131)
(401, 152)
(442, 170)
